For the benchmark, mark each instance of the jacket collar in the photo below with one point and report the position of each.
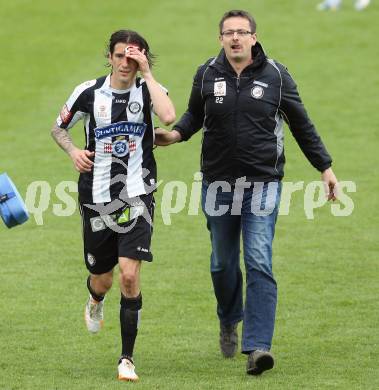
(222, 64)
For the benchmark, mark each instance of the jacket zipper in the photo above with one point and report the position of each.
(235, 127)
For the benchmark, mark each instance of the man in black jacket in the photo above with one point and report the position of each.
(241, 99)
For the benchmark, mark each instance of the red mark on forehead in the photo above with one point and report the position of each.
(132, 45)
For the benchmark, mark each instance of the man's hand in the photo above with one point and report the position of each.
(161, 103)
(135, 54)
(164, 137)
(330, 184)
(81, 159)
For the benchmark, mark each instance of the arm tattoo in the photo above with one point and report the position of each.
(62, 138)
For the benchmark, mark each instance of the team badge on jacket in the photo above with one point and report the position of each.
(219, 88)
(257, 92)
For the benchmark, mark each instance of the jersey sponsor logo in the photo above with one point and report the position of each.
(134, 107)
(65, 114)
(219, 88)
(257, 92)
(121, 101)
(120, 148)
(120, 128)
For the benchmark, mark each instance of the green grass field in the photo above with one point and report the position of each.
(327, 333)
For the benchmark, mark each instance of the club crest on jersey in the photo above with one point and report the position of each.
(257, 92)
(219, 88)
(120, 128)
(120, 148)
(134, 107)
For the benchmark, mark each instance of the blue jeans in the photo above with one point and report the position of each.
(230, 210)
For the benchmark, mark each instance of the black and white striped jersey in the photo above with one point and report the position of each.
(119, 129)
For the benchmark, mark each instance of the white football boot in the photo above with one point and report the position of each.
(94, 315)
(126, 370)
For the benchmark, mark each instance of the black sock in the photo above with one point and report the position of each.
(95, 296)
(129, 316)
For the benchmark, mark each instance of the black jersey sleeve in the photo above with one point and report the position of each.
(192, 120)
(76, 106)
(301, 127)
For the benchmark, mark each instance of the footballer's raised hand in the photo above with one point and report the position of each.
(139, 56)
(162, 104)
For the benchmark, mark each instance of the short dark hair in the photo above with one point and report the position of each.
(243, 14)
(130, 36)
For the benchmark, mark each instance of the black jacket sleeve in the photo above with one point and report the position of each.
(192, 120)
(301, 127)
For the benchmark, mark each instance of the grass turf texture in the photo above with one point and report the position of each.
(327, 321)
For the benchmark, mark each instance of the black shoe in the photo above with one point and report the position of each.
(228, 340)
(259, 361)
